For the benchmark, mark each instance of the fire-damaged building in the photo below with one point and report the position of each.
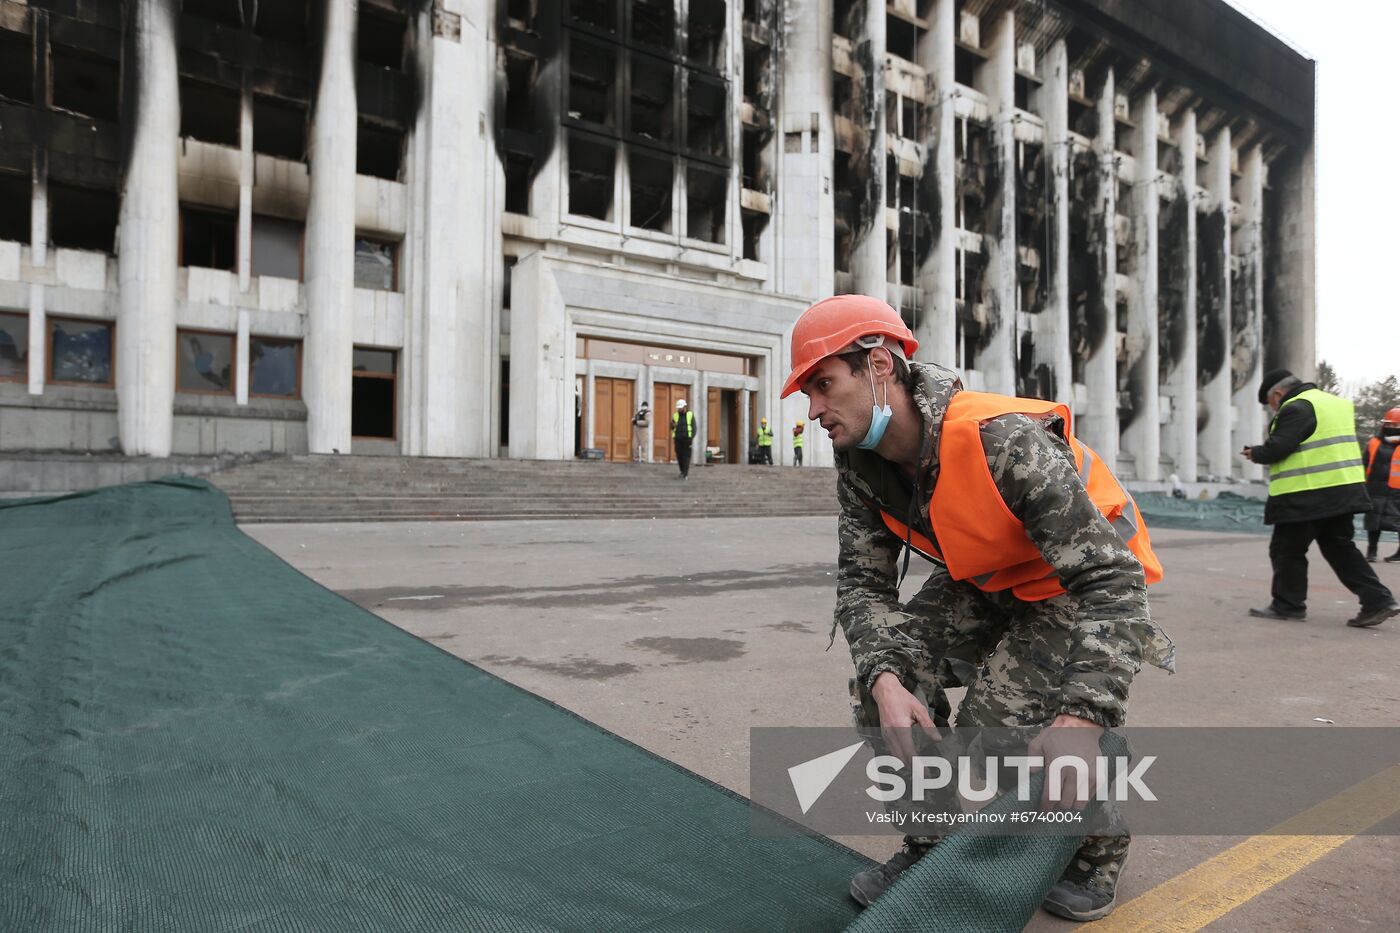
(492, 228)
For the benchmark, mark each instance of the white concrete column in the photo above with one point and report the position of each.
(702, 414)
(1142, 437)
(1098, 423)
(644, 392)
(590, 403)
(997, 361)
(245, 188)
(148, 242)
(38, 340)
(870, 248)
(241, 364)
(937, 326)
(541, 365)
(1214, 234)
(1250, 422)
(1292, 291)
(746, 431)
(805, 207)
(330, 239)
(39, 215)
(1180, 432)
(1052, 323)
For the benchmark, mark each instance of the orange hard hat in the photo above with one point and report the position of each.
(832, 325)
(1392, 417)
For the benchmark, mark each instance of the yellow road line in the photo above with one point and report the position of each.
(1212, 889)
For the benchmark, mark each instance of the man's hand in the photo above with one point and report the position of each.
(1074, 738)
(899, 711)
(1247, 453)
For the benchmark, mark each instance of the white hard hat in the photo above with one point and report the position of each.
(680, 404)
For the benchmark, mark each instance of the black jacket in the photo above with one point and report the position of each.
(1296, 423)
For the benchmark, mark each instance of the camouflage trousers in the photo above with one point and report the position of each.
(1008, 653)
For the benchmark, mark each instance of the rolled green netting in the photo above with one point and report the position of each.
(971, 882)
(194, 736)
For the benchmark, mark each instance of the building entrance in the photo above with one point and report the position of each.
(613, 407)
(373, 399)
(664, 396)
(723, 443)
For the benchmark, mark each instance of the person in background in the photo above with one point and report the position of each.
(797, 442)
(640, 422)
(1316, 484)
(683, 433)
(765, 442)
(1383, 483)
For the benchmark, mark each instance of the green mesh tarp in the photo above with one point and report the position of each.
(1225, 512)
(193, 736)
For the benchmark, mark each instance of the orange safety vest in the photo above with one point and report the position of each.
(1371, 447)
(980, 540)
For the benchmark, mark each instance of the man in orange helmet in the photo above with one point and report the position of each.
(1383, 483)
(1037, 602)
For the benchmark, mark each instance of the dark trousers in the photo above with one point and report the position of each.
(765, 454)
(1288, 551)
(683, 458)
(797, 456)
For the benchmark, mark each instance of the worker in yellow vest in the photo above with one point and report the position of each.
(797, 442)
(765, 442)
(1316, 484)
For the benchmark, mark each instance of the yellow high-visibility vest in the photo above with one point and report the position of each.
(1330, 456)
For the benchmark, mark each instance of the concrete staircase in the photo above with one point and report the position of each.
(402, 489)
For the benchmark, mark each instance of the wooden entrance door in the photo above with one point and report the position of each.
(664, 396)
(612, 419)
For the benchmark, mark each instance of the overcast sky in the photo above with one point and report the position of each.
(1356, 44)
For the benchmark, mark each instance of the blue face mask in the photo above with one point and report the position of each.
(879, 417)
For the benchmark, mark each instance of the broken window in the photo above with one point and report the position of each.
(591, 167)
(376, 264)
(654, 22)
(901, 38)
(751, 157)
(909, 121)
(379, 150)
(846, 18)
(652, 113)
(706, 120)
(521, 72)
(84, 83)
(16, 200)
(284, 20)
(204, 362)
(600, 14)
(82, 218)
(80, 352)
(706, 194)
(704, 32)
(519, 171)
(652, 179)
(372, 409)
(381, 38)
(209, 112)
(14, 347)
(755, 63)
(274, 367)
(277, 247)
(208, 238)
(592, 77)
(279, 128)
(224, 12)
(965, 67)
(753, 226)
(16, 66)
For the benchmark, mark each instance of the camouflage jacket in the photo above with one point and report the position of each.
(1035, 473)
